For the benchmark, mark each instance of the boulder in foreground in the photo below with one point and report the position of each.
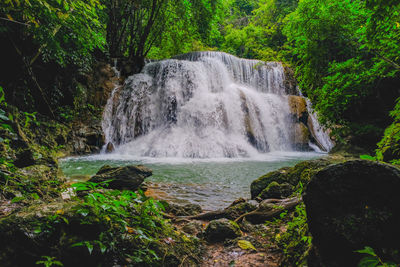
(127, 177)
(352, 205)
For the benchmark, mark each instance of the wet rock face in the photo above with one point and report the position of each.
(352, 205)
(100, 83)
(220, 230)
(301, 137)
(127, 177)
(290, 82)
(110, 147)
(86, 137)
(299, 116)
(298, 108)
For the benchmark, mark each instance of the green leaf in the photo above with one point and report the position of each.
(368, 261)
(7, 126)
(83, 212)
(79, 244)
(367, 157)
(103, 248)
(3, 115)
(367, 250)
(17, 199)
(89, 246)
(59, 263)
(246, 245)
(80, 186)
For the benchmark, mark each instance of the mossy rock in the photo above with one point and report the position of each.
(221, 229)
(184, 210)
(303, 171)
(126, 177)
(261, 183)
(194, 228)
(240, 207)
(276, 190)
(39, 230)
(291, 176)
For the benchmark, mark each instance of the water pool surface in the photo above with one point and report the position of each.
(211, 183)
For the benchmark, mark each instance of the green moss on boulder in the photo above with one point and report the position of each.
(261, 183)
(285, 181)
(221, 229)
(276, 190)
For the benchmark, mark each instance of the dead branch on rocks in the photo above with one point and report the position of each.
(270, 208)
(267, 209)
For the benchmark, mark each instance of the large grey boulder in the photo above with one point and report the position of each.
(127, 177)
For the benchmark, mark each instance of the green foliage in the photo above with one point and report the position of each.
(367, 157)
(4, 119)
(246, 245)
(166, 27)
(296, 241)
(123, 212)
(320, 33)
(346, 53)
(30, 117)
(49, 261)
(372, 259)
(389, 146)
(254, 29)
(64, 31)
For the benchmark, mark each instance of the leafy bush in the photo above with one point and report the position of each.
(64, 31)
(126, 227)
(389, 146)
(122, 212)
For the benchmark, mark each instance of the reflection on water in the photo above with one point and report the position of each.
(211, 183)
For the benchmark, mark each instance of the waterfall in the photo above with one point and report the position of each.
(201, 105)
(320, 134)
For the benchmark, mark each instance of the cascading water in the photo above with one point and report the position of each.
(321, 136)
(201, 105)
